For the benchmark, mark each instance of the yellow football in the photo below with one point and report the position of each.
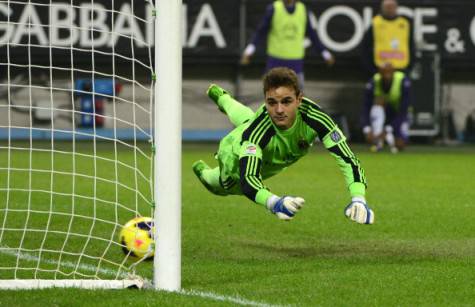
(136, 237)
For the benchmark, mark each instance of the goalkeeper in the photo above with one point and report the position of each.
(273, 138)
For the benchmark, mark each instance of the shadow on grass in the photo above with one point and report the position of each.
(387, 251)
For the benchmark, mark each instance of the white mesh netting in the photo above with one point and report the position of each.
(76, 99)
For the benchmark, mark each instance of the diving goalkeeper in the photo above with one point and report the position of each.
(273, 138)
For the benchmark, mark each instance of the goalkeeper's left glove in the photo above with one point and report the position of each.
(359, 211)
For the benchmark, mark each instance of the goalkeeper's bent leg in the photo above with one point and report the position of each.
(209, 177)
(236, 111)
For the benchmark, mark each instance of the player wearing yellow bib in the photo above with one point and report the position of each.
(388, 40)
(284, 27)
(266, 142)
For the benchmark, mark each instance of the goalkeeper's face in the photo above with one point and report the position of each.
(282, 105)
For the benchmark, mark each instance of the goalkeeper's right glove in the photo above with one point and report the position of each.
(285, 207)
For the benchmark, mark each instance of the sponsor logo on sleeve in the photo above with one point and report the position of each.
(251, 149)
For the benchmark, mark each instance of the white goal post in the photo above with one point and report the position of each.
(168, 135)
(90, 133)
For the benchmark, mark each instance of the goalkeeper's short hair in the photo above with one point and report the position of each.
(281, 76)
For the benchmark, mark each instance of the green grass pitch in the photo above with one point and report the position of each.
(420, 251)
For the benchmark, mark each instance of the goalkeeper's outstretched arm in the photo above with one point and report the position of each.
(335, 142)
(250, 176)
(357, 210)
(250, 164)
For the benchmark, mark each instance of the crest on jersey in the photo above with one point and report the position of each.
(335, 136)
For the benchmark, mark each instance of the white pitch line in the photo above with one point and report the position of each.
(33, 258)
(223, 298)
(91, 268)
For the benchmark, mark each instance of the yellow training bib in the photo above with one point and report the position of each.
(287, 33)
(391, 41)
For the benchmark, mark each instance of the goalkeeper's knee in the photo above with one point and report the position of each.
(208, 177)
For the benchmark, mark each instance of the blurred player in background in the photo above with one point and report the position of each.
(385, 109)
(284, 26)
(388, 40)
(266, 142)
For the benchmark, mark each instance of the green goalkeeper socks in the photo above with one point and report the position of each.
(215, 92)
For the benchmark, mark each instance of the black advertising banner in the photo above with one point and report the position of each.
(60, 33)
(212, 29)
(216, 30)
(456, 28)
(209, 28)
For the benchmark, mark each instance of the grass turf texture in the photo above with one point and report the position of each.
(421, 251)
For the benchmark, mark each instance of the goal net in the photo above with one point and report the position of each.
(76, 142)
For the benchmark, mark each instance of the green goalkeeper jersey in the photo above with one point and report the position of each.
(257, 150)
